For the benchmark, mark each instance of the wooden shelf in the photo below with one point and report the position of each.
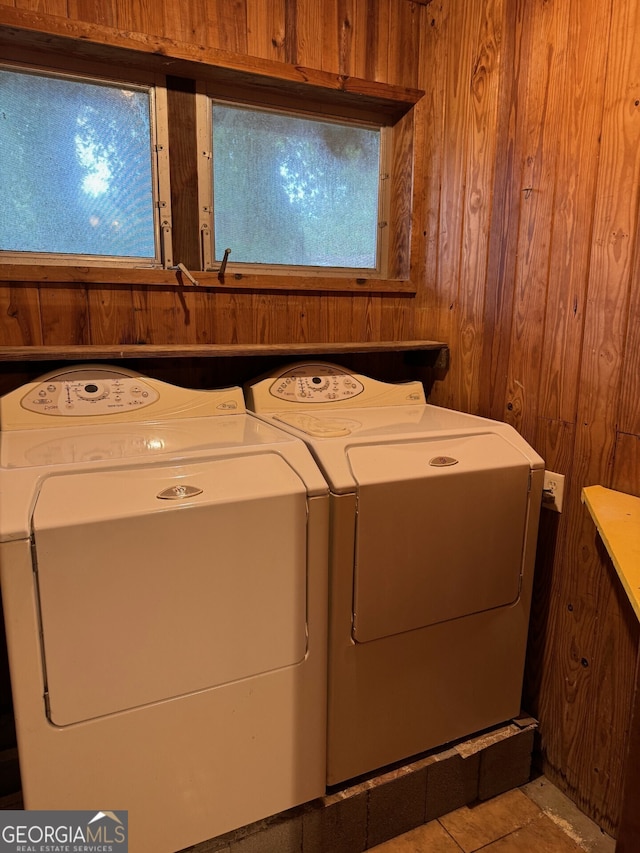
(617, 518)
(119, 351)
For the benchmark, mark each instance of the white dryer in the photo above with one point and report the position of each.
(434, 521)
(163, 560)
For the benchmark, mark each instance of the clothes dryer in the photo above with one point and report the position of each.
(163, 560)
(434, 517)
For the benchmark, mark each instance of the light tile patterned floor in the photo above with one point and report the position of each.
(533, 819)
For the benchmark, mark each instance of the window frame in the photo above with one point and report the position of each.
(97, 74)
(206, 193)
(251, 80)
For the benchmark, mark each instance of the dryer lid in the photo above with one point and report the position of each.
(440, 531)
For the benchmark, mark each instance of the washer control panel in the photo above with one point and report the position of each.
(316, 383)
(92, 394)
(95, 394)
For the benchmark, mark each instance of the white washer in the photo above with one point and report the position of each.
(434, 521)
(163, 560)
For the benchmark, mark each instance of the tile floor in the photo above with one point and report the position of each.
(536, 818)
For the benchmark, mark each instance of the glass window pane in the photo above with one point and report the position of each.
(294, 191)
(75, 167)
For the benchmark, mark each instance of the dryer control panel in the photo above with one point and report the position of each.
(329, 386)
(316, 383)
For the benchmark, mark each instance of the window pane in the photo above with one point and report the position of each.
(294, 191)
(75, 167)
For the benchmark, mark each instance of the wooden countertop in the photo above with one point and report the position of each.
(617, 518)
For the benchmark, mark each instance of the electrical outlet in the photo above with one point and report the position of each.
(553, 491)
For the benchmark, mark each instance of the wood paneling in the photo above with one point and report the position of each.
(104, 12)
(145, 15)
(112, 315)
(308, 23)
(589, 648)
(479, 168)
(64, 315)
(557, 312)
(525, 252)
(266, 30)
(459, 30)
(49, 7)
(581, 105)
(20, 324)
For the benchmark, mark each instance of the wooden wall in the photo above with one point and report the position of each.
(529, 145)
(533, 277)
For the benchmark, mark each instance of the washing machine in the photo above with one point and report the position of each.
(434, 517)
(163, 562)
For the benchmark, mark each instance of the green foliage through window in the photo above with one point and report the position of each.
(75, 167)
(294, 191)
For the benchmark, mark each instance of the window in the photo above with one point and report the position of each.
(305, 178)
(78, 169)
(296, 191)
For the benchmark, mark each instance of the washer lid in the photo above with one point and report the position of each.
(28, 456)
(439, 532)
(143, 599)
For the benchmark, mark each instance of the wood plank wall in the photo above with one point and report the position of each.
(528, 205)
(532, 276)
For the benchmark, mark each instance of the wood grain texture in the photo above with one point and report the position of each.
(542, 111)
(460, 31)
(405, 22)
(581, 105)
(524, 259)
(428, 157)
(629, 421)
(309, 22)
(630, 816)
(20, 320)
(49, 7)
(227, 25)
(185, 211)
(65, 315)
(588, 668)
(403, 206)
(100, 12)
(266, 30)
(376, 48)
(111, 315)
(143, 16)
(503, 227)
(86, 40)
(480, 165)
(612, 254)
(626, 469)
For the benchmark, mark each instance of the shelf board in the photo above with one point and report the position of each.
(119, 351)
(617, 519)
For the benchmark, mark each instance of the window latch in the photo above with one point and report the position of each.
(185, 272)
(223, 265)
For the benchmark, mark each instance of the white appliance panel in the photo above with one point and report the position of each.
(431, 566)
(439, 533)
(164, 580)
(167, 597)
